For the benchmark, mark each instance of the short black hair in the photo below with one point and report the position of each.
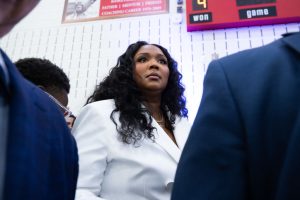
(44, 73)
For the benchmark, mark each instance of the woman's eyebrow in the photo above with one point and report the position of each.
(145, 53)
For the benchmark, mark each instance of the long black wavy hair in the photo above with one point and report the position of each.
(135, 120)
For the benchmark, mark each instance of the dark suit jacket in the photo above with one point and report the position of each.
(41, 159)
(245, 140)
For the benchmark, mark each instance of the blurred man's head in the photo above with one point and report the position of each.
(47, 76)
(12, 11)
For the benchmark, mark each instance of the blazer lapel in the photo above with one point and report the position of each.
(165, 142)
(181, 132)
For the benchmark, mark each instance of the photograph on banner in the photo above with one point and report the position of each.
(89, 10)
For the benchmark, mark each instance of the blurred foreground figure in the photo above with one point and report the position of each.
(245, 140)
(38, 155)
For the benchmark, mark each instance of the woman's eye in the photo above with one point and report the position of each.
(163, 61)
(142, 59)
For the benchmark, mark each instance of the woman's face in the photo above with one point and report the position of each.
(151, 71)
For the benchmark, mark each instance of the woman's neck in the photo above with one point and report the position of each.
(154, 108)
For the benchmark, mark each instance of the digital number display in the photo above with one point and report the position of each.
(200, 5)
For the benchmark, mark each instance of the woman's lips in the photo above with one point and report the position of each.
(153, 76)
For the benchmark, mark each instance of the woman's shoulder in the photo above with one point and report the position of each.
(103, 107)
(106, 102)
(95, 115)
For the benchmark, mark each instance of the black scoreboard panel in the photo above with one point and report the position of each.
(214, 14)
(252, 2)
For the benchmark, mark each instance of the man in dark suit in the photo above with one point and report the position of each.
(38, 155)
(245, 141)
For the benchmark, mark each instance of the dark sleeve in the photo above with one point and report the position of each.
(64, 163)
(74, 168)
(213, 162)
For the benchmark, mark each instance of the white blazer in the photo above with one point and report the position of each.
(110, 169)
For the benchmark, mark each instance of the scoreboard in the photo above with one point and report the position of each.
(214, 14)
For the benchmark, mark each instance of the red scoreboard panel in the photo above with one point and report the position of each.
(214, 14)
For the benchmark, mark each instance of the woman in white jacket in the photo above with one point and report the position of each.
(133, 128)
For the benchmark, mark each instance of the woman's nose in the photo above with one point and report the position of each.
(154, 64)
